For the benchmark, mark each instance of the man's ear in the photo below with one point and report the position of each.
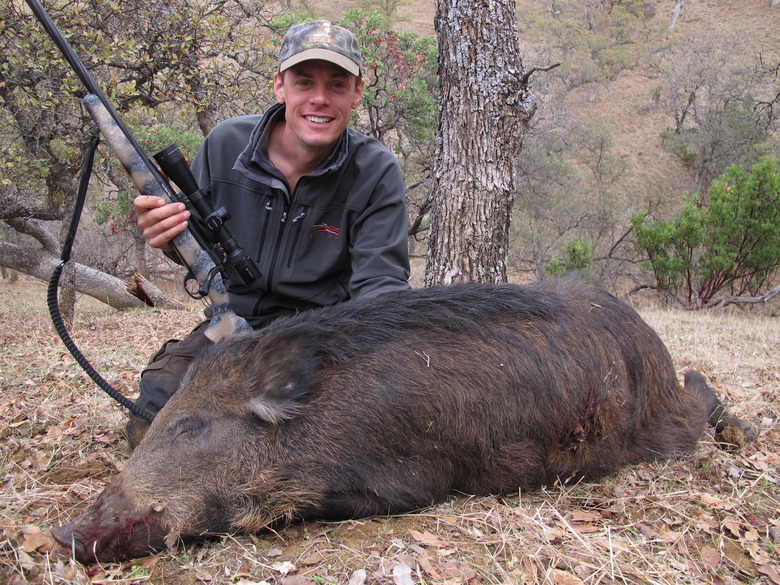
(279, 87)
(358, 93)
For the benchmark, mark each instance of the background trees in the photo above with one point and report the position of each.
(158, 65)
(635, 119)
(729, 244)
(723, 102)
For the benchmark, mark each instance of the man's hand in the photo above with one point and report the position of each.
(159, 221)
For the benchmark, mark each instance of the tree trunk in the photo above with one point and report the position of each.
(484, 110)
(678, 7)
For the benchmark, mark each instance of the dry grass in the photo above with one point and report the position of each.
(710, 518)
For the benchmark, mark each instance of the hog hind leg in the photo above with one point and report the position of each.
(729, 430)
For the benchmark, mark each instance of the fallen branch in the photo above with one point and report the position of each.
(152, 296)
(730, 300)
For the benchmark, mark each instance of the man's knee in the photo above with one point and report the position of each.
(159, 382)
(162, 379)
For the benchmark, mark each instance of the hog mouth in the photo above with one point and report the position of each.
(142, 537)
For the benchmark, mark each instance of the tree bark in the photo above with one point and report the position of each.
(484, 108)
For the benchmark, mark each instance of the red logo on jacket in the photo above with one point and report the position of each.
(326, 230)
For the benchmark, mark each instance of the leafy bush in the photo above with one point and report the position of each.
(579, 256)
(730, 244)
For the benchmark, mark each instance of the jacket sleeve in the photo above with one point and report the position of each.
(379, 246)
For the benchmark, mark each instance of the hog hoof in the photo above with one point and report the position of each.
(734, 434)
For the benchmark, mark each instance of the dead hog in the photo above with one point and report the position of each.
(387, 404)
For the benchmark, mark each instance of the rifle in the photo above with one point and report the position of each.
(206, 248)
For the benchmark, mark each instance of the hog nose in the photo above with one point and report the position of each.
(67, 537)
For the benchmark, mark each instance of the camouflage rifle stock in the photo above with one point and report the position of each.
(223, 321)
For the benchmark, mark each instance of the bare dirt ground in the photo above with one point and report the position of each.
(712, 517)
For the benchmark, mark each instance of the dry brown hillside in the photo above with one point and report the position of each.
(626, 104)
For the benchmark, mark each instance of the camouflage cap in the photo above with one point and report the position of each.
(319, 39)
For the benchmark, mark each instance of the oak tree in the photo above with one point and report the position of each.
(485, 105)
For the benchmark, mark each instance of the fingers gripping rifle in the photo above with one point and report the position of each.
(208, 251)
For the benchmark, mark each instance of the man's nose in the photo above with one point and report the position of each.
(320, 95)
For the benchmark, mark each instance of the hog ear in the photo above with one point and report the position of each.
(284, 364)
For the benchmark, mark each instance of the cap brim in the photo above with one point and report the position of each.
(323, 55)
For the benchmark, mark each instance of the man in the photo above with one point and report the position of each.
(318, 205)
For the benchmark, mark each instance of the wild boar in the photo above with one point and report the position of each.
(388, 404)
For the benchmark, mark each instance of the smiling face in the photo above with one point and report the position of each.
(319, 97)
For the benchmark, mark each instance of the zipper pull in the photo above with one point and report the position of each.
(301, 215)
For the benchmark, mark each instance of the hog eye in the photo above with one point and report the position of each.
(188, 426)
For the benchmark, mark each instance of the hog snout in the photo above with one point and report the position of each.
(65, 536)
(114, 529)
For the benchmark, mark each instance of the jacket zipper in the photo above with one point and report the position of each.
(277, 246)
(288, 201)
(294, 246)
(269, 207)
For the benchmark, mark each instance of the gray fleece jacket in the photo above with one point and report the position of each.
(341, 234)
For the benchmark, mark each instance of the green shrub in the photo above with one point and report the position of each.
(731, 244)
(578, 258)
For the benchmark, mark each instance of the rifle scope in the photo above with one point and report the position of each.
(239, 264)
